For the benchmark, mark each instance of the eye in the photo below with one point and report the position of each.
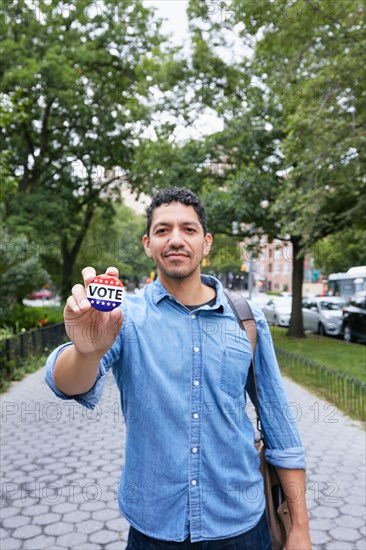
(160, 231)
(190, 229)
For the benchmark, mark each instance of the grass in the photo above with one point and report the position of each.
(331, 352)
(334, 354)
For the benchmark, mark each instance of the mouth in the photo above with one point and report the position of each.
(176, 255)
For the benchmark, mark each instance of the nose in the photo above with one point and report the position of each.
(176, 238)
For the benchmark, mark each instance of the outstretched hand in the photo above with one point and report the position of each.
(91, 331)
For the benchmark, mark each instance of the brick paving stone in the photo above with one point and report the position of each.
(106, 514)
(319, 537)
(92, 506)
(345, 533)
(39, 542)
(361, 545)
(72, 540)
(350, 521)
(64, 507)
(118, 524)
(358, 500)
(92, 546)
(11, 544)
(90, 526)
(58, 529)
(8, 512)
(104, 537)
(76, 517)
(354, 510)
(116, 546)
(66, 447)
(340, 545)
(321, 524)
(46, 519)
(324, 512)
(16, 521)
(27, 532)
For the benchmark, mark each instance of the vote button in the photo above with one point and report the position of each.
(105, 292)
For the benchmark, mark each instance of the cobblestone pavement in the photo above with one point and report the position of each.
(60, 466)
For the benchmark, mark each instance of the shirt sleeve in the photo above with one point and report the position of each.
(281, 436)
(90, 398)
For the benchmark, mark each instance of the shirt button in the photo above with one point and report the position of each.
(194, 450)
(196, 349)
(194, 482)
(193, 316)
(170, 297)
(196, 382)
(195, 416)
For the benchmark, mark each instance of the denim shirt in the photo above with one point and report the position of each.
(190, 455)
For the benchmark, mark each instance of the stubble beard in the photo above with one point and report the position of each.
(178, 273)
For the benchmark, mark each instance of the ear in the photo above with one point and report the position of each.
(146, 245)
(207, 243)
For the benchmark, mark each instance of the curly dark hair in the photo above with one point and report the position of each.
(176, 194)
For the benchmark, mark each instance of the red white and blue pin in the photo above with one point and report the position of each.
(105, 292)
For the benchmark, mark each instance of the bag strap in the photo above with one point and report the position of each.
(245, 317)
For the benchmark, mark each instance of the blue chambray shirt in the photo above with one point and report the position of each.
(190, 454)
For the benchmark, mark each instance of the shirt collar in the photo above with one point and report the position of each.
(159, 292)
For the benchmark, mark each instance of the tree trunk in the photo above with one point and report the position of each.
(296, 328)
(69, 255)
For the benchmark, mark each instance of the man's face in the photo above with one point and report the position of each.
(176, 242)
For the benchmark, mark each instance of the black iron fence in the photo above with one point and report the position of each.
(15, 350)
(346, 392)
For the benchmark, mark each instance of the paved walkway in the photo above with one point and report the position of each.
(60, 466)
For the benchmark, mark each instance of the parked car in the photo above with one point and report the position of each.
(354, 319)
(278, 310)
(42, 294)
(323, 314)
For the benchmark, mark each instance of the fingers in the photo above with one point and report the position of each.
(78, 300)
(88, 274)
(115, 321)
(112, 271)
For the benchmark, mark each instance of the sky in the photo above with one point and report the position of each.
(174, 13)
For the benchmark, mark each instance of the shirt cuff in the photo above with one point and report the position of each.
(88, 399)
(292, 458)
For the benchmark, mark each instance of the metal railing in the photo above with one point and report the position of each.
(346, 392)
(15, 350)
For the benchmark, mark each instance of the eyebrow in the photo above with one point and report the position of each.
(167, 224)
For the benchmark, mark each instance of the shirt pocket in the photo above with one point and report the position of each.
(234, 372)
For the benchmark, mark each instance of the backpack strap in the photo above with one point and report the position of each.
(245, 317)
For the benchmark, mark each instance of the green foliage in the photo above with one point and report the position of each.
(76, 98)
(340, 251)
(293, 103)
(20, 318)
(115, 240)
(20, 269)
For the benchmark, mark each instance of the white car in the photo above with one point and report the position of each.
(278, 310)
(323, 314)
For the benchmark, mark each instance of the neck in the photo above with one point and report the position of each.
(188, 291)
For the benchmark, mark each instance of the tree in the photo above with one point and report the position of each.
(76, 86)
(302, 79)
(340, 251)
(20, 270)
(115, 240)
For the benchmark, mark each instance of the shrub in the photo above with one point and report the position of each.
(20, 318)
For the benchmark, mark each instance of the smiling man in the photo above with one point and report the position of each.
(180, 358)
